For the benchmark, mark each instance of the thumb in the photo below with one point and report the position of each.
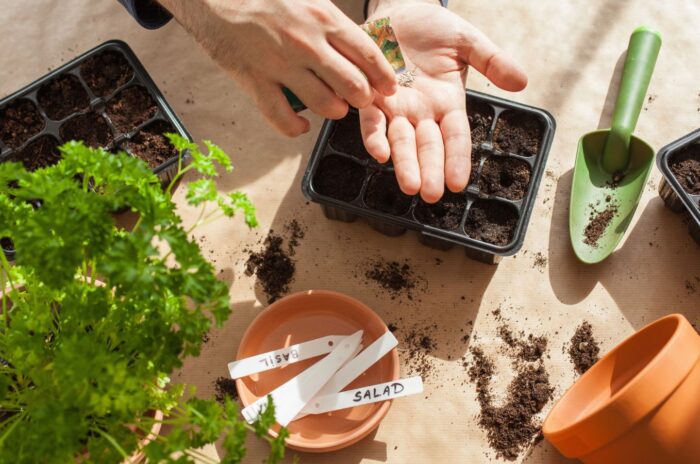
(477, 50)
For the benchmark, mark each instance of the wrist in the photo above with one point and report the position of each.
(377, 8)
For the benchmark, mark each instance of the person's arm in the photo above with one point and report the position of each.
(308, 46)
(148, 13)
(424, 128)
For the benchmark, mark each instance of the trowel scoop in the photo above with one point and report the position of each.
(612, 165)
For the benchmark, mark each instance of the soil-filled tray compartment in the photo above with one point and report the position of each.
(104, 97)
(679, 162)
(510, 145)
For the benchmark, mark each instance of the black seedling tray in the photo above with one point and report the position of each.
(95, 103)
(679, 196)
(339, 147)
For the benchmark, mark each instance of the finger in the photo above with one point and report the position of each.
(373, 126)
(316, 95)
(431, 157)
(457, 140)
(274, 106)
(344, 78)
(477, 50)
(402, 139)
(353, 43)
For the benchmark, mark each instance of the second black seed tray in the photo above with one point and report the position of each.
(89, 99)
(679, 162)
(511, 143)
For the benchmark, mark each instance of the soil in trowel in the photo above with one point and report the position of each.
(584, 349)
(273, 264)
(511, 425)
(598, 224)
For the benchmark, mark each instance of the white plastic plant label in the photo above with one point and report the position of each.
(283, 356)
(366, 395)
(356, 366)
(293, 395)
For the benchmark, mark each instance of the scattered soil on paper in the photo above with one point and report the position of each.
(273, 264)
(511, 425)
(584, 349)
(225, 387)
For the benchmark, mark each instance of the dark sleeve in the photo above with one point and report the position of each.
(444, 3)
(147, 13)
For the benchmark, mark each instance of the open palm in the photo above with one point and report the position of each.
(423, 128)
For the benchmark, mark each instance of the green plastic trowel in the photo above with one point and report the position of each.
(612, 166)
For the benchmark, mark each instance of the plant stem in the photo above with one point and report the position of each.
(112, 441)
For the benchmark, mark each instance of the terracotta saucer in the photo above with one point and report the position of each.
(302, 317)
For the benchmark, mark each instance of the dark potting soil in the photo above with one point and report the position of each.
(598, 224)
(505, 177)
(511, 426)
(62, 97)
(385, 195)
(396, 278)
(150, 145)
(617, 178)
(445, 214)
(19, 121)
(296, 234)
(685, 166)
(225, 387)
(480, 117)
(105, 72)
(347, 137)
(131, 107)
(492, 222)
(339, 178)
(90, 127)
(40, 153)
(584, 349)
(419, 345)
(273, 265)
(518, 133)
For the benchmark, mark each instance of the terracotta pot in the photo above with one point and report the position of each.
(639, 404)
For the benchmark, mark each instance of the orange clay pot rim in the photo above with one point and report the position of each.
(679, 332)
(371, 422)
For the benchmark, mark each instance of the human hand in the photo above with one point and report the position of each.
(309, 46)
(423, 128)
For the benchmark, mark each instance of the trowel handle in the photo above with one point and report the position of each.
(296, 104)
(639, 65)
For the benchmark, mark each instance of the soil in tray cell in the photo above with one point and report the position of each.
(131, 107)
(150, 145)
(339, 178)
(445, 214)
(347, 137)
(480, 117)
(685, 166)
(383, 194)
(62, 97)
(41, 153)
(518, 132)
(492, 222)
(19, 121)
(106, 72)
(91, 128)
(505, 177)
